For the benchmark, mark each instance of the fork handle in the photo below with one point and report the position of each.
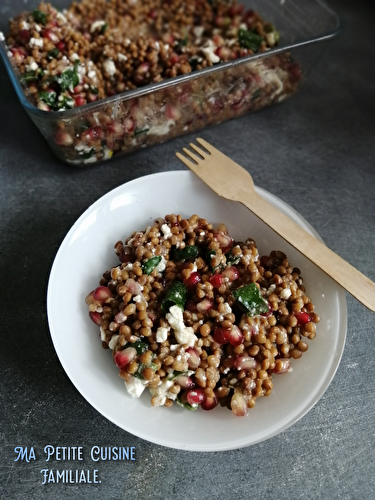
(352, 280)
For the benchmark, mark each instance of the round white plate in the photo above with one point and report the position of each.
(87, 251)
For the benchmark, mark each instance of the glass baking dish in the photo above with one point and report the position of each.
(157, 112)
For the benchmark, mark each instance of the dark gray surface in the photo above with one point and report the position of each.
(317, 153)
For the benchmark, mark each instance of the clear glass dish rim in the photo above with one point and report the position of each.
(164, 84)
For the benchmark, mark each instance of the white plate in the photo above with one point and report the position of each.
(87, 251)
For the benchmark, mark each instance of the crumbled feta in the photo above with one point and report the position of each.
(61, 16)
(24, 25)
(285, 293)
(32, 66)
(198, 31)
(96, 24)
(138, 298)
(162, 129)
(122, 57)
(184, 334)
(161, 392)
(227, 308)
(162, 334)
(36, 42)
(209, 51)
(161, 266)
(103, 336)
(109, 67)
(113, 342)
(37, 27)
(91, 74)
(74, 56)
(128, 266)
(166, 231)
(271, 289)
(135, 387)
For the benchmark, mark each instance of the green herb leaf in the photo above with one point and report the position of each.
(68, 79)
(186, 405)
(150, 264)
(39, 17)
(52, 54)
(140, 347)
(65, 102)
(250, 297)
(232, 259)
(29, 76)
(48, 97)
(249, 40)
(176, 295)
(139, 131)
(189, 252)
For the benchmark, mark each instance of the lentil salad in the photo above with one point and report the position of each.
(94, 50)
(200, 319)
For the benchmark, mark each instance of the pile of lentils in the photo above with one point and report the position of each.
(198, 318)
(99, 48)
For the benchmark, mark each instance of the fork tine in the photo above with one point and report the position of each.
(192, 155)
(198, 150)
(187, 162)
(206, 145)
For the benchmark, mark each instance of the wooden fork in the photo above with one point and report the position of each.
(229, 180)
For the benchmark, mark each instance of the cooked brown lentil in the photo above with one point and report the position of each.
(200, 335)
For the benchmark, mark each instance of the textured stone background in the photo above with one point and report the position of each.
(316, 152)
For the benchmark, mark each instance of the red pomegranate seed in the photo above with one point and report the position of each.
(24, 36)
(282, 366)
(224, 240)
(236, 10)
(79, 100)
(92, 134)
(194, 359)
(129, 125)
(221, 335)
(48, 33)
(205, 305)
(61, 46)
(244, 362)
(115, 128)
(92, 97)
(216, 280)
(185, 382)
(172, 112)
(133, 287)
(235, 336)
(238, 404)
(195, 396)
(19, 54)
(269, 312)
(218, 40)
(209, 403)
(63, 138)
(96, 318)
(191, 306)
(174, 58)
(123, 358)
(303, 318)
(231, 273)
(193, 279)
(102, 293)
